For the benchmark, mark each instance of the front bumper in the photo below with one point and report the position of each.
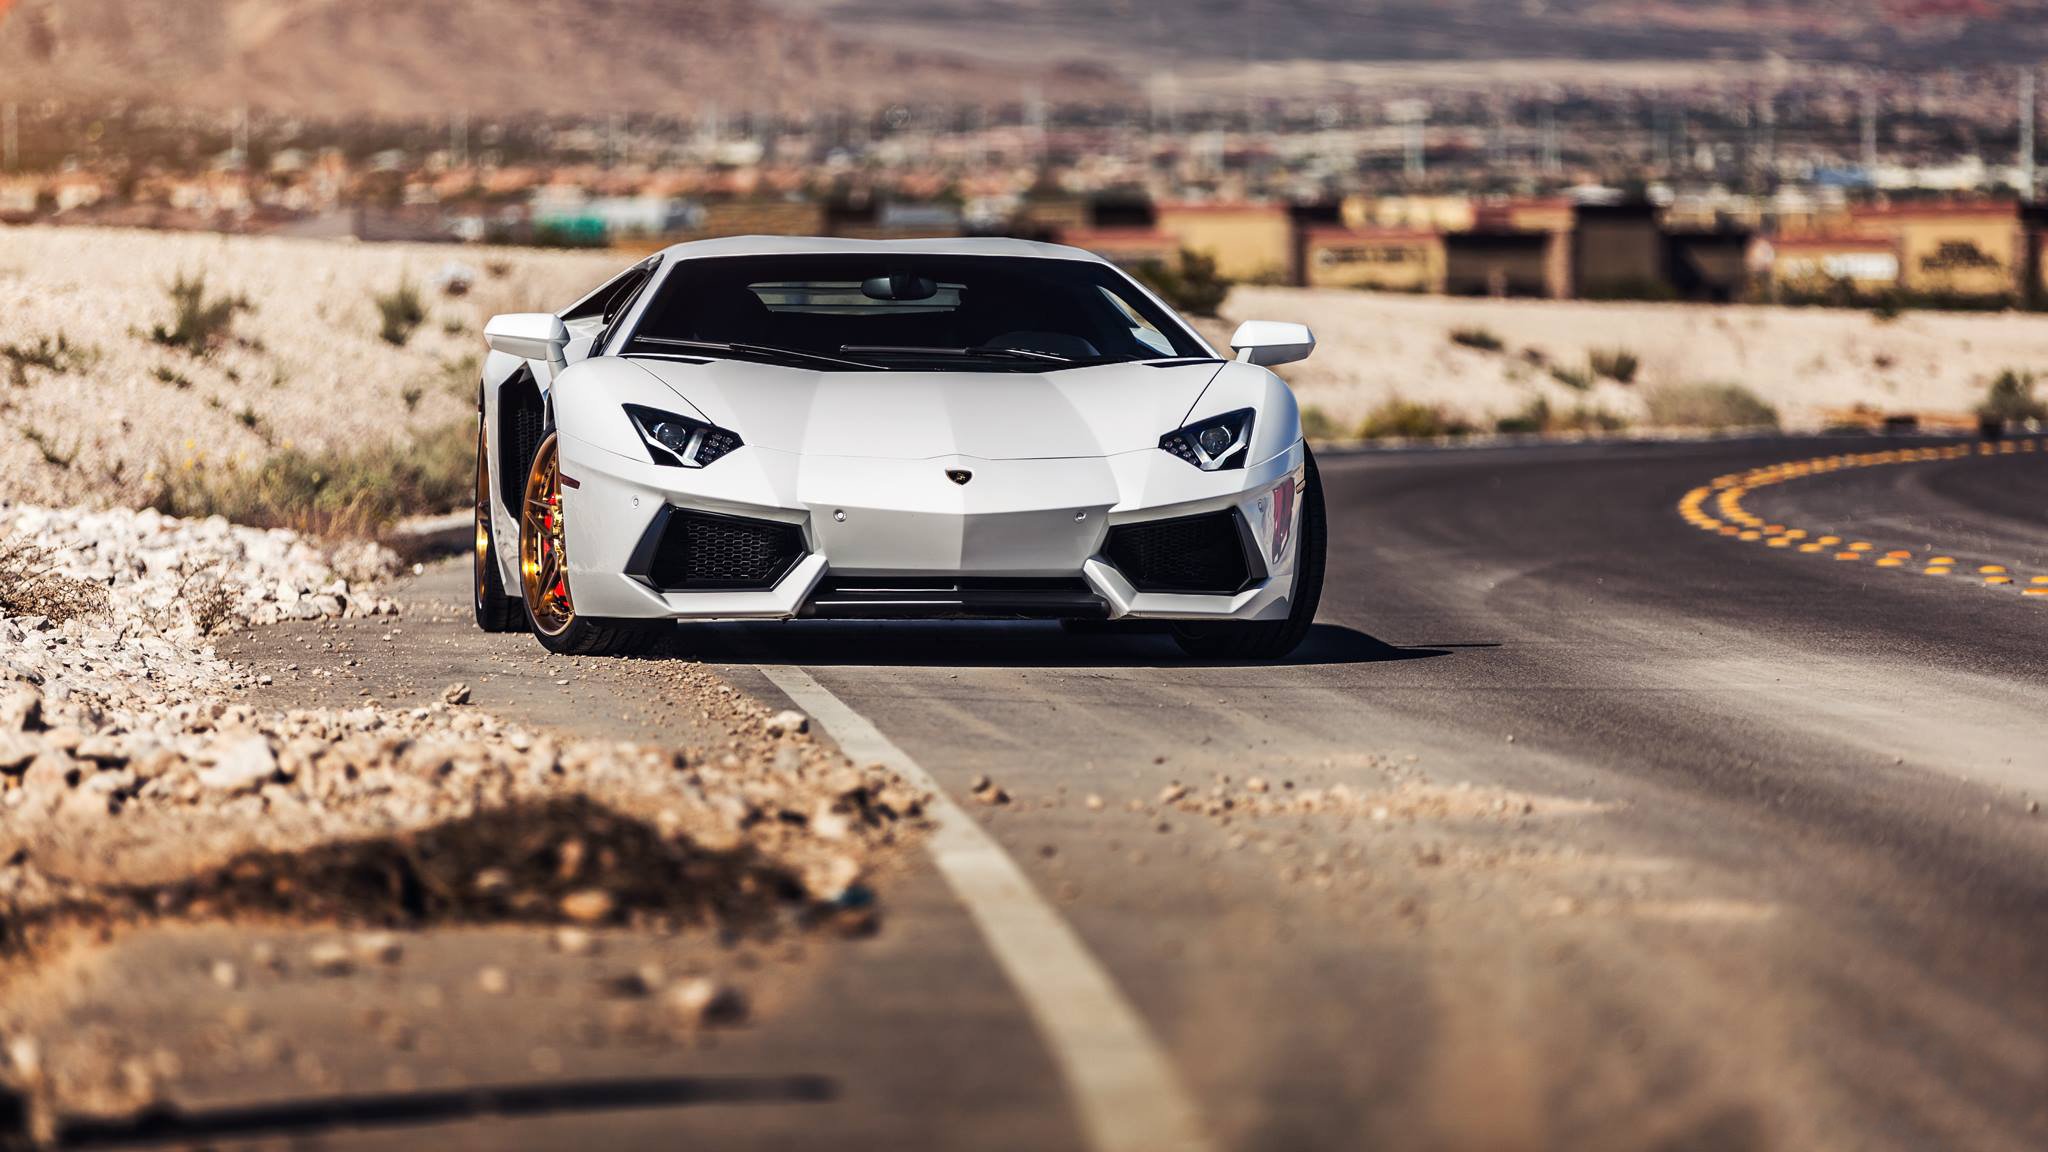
(891, 537)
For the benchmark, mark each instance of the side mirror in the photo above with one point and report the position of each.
(1270, 342)
(528, 335)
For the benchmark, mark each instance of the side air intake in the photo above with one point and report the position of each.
(1210, 554)
(689, 551)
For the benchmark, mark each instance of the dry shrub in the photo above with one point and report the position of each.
(1617, 364)
(399, 313)
(209, 600)
(1540, 417)
(337, 493)
(1409, 420)
(1708, 406)
(200, 323)
(1478, 339)
(30, 585)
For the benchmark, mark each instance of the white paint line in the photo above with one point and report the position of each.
(1127, 1092)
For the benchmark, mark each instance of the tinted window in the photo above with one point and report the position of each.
(913, 312)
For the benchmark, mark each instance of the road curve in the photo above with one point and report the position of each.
(1576, 826)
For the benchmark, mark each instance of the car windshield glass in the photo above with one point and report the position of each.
(913, 312)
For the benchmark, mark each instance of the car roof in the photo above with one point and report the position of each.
(836, 246)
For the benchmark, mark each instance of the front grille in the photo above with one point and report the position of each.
(700, 551)
(943, 597)
(1202, 554)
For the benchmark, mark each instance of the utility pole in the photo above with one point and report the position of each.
(2027, 135)
(10, 137)
(1553, 157)
(1869, 134)
(1418, 157)
(458, 140)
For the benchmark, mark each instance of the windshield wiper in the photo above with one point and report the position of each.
(766, 351)
(963, 353)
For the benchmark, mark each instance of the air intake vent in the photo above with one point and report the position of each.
(1202, 554)
(687, 551)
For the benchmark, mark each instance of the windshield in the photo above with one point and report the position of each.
(908, 313)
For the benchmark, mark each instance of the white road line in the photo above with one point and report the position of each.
(1128, 1094)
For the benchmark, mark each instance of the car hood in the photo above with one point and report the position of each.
(1078, 412)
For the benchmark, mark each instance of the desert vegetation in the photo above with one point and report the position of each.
(400, 313)
(200, 323)
(334, 492)
(1192, 284)
(31, 585)
(2010, 399)
(1478, 339)
(1708, 405)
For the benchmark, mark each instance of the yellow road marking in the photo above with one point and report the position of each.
(1728, 516)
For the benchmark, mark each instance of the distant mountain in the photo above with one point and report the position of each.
(1147, 34)
(427, 57)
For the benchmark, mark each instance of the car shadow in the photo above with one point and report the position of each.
(1006, 644)
(314, 1117)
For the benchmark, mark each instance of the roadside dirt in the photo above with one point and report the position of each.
(420, 899)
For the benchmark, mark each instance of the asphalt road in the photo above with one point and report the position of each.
(1659, 839)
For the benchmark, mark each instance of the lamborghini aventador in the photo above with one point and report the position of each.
(774, 429)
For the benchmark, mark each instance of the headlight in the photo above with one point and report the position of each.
(680, 442)
(1215, 444)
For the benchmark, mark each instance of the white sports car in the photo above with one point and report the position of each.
(773, 429)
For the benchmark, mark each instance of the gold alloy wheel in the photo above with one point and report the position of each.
(543, 561)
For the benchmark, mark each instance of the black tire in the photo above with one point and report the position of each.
(1272, 639)
(495, 611)
(591, 637)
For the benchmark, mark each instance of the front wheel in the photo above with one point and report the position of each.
(1272, 639)
(544, 572)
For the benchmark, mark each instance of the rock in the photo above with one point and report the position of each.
(1172, 792)
(493, 981)
(589, 906)
(16, 751)
(380, 947)
(241, 765)
(787, 722)
(1094, 802)
(574, 942)
(331, 958)
(455, 694)
(225, 974)
(21, 708)
(1257, 784)
(700, 1002)
(101, 750)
